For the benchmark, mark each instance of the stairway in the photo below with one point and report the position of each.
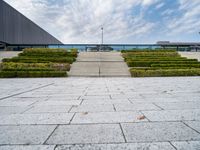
(99, 64)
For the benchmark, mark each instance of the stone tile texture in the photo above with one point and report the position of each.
(100, 113)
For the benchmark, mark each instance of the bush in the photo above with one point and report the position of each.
(39, 62)
(49, 52)
(149, 63)
(160, 59)
(24, 59)
(139, 50)
(164, 72)
(34, 67)
(149, 54)
(32, 74)
(176, 65)
(7, 74)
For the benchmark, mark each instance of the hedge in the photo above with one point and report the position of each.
(149, 63)
(176, 65)
(34, 66)
(24, 59)
(49, 54)
(159, 59)
(48, 50)
(156, 50)
(174, 54)
(32, 74)
(164, 72)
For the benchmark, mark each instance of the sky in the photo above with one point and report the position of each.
(124, 21)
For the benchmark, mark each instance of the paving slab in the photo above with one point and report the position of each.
(179, 105)
(189, 145)
(93, 108)
(12, 110)
(173, 115)
(135, 107)
(28, 147)
(125, 146)
(10, 103)
(50, 118)
(158, 132)
(107, 117)
(95, 97)
(25, 134)
(106, 101)
(58, 103)
(194, 125)
(80, 134)
(49, 109)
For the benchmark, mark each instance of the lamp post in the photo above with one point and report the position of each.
(101, 38)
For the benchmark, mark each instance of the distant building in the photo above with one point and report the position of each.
(16, 29)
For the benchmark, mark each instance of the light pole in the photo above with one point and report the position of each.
(101, 38)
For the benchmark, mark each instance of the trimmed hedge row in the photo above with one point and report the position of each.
(150, 54)
(164, 72)
(149, 63)
(160, 63)
(159, 59)
(34, 66)
(38, 62)
(176, 65)
(24, 59)
(139, 50)
(47, 53)
(31, 74)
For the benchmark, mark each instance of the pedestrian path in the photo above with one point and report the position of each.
(99, 64)
(100, 114)
(8, 54)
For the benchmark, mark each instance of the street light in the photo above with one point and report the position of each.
(101, 38)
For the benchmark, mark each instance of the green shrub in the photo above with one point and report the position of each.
(160, 59)
(24, 59)
(149, 63)
(32, 74)
(7, 74)
(139, 50)
(150, 54)
(164, 73)
(176, 65)
(34, 66)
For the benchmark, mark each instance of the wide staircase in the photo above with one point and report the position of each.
(99, 64)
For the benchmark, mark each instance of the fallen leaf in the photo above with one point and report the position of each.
(141, 117)
(85, 113)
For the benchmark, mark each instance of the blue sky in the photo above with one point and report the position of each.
(124, 21)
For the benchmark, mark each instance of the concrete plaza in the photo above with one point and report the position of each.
(100, 113)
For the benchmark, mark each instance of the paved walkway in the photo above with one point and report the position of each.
(8, 54)
(99, 64)
(191, 55)
(100, 113)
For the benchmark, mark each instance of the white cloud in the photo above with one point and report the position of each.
(160, 5)
(79, 21)
(188, 22)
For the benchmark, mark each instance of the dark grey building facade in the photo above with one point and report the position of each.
(16, 29)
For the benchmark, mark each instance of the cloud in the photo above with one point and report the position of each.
(188, 22)
(124, 21)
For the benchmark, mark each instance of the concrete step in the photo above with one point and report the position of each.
(99, 64)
